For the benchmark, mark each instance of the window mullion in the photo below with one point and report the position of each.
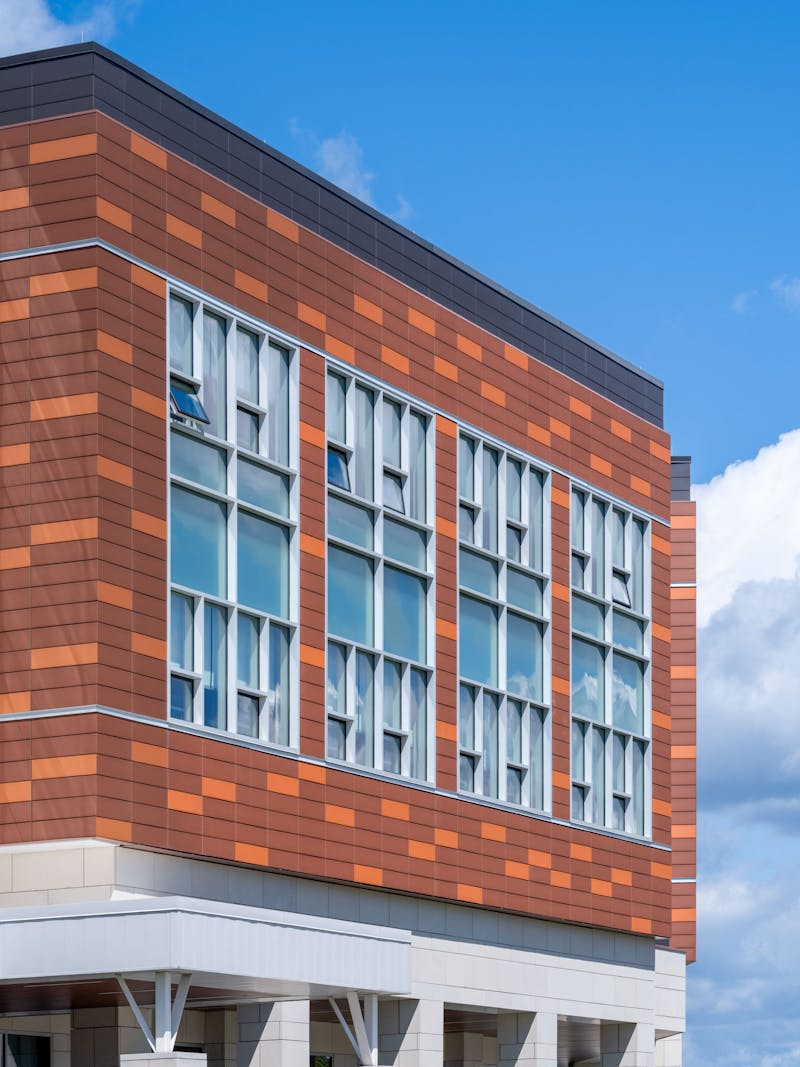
(199, 658)
(350, 702)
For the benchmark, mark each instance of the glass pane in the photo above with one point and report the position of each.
(263, 558)
(365, 711)
(619, 805)
(578, 803)
(337, 469)
(618, 761)
(598, 548)
(466, 524)
(490, 745)
(391, 433)
(491, 462)
(247, 715)
(477, 641)
(514, 490)
(278, 697)
(27, 1051)
(537, 758)
(263, 487)
(577, 521)
(536, 530)
(335, 407)
(198, 543)
(466, 774)
(523, 591)
(392, 753)
(619, 589)
(391, 694)
(513, 785)
(247, 430)
(588, 681)
(637, 786)
(514, 544)
(247, 651)
(478, 573)
(578, 572)
(628, 632)
(180, 335)
(628, 693)
(350, 596)
(524, 657)
(578, 752)
(181, 632)
(364, 449)
(187, 402)
(617, 538)
(598, 777)
(417, 466)
(466, 468)
(418, 724)
(335, 686)
(180, 699)
(278, 404)
(393, 492)
(637, 565)
(588, 617)
(404, 614)
(215, 676)
(514, 714)
(337, 739)
(404, 543)
(247, 365)
(197, 461)
(350, 522)
(466, 717)
(214, 363)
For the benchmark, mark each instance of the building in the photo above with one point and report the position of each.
(347, 620)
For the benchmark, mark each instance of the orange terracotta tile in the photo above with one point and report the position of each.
(113, 829)
(112, 346)
(421, 322)
(339, 815)
(145, 279)
(63, 407)
(183, 231)
(153, 405)
(13, 310)
(115, 594)
(114, 472)
(149, 524)
(492, 393)
(216, 789)
(394, 359)
(117, 216)
(315, 657)
(12, 558)
(216, 208)
(283, 783)
(14, 199)
(445, 838)
(149, 646)
(311, 317)
(252, 854)
(63, 767)
(15, 703)
(469, 348)
(252, 286)
(66, 281)
(491, 832)
(149, 151)
(393, 809)
(421, 850)
(367, 309)
(470, 894)
(280, 224)
(517, 870)
(14, 455)
(63, 656)
(445, 368)
(63, 148)
(602, 888)
(311, 435)
(580, 852)
(367, 875)
(602, 466)
(578, 407)
(313, 546)
(152, 755)
(15, 792)
(190, 803)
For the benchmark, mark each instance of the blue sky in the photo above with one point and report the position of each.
(632, 169)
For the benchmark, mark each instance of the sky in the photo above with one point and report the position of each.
(632, 169)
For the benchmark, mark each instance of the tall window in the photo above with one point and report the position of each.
(380, 580)
(504, 692)
(610, 665)
(233, 510)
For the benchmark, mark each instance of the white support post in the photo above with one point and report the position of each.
(371, 1024)
(167, 1014)
(163, 1021)
(137, 1013)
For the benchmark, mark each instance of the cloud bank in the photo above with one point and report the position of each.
(30, 25)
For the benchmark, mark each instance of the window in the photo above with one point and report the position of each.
(233, 512)
(610, 665)
(379, 688)
(504, 692)
(23, 1050)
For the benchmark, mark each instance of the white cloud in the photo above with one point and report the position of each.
(748, 524)
(30, 25)
(741, 302)
(787, 291)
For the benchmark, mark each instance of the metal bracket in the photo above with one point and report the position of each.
(365, 1024)
(168, 1013)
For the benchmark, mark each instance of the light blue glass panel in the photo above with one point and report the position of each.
(578, 803)
(247, 650)
(466, 773)
(350, 596)
(577, 518)
(578, 753)
(618, 805)
(637, 565)
(466, 717)
(350, 522)
(617, 538)
(337, 739)
(215, 667)
(365, 710)
(418, 724)
(628, 693)
(523, 591)
(391, 432)
(214, 369)
(391, 694)
(335, 407)
(524, 657)
(247, 430)
(598, 563)
(393, 492)
(514, 715)
(513, 785)
(337, 469)
(392, 753)
(598, 776)
(404, 543)
(181, 627)
(628, 633)
(180, 335)
(198, 544)
(364, 443)
(335, 688)
(466, 524)
(246, 715)
(536, 529)
(639, 749)
(404, 614)
(588, 617)
(478, 573)
(263, 565)
(490, 745)
(588, 680)
(197, 461)
(263, 487)
(417, 467)
(477, 641)
(180, 698)
(466, 468)
(514, 544)
(277, 404)
(514, 489)
(537, 758)
(278, 696)
(491, 462)
(618, 763)
(247, 365)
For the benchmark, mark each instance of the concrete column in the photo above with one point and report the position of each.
(412, 1033)
(94, 1039)
(469, 1050)
(669, 1051)
(272, 1034)
(627, 1045)
(527, 1040)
